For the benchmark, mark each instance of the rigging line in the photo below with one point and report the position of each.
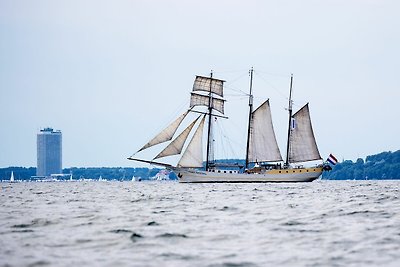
(237, 95)
(272, 86)
(231, 83)
(177, 112)
(230, 71)
(284, 75)
(222, 136)
(225, 142)
(237, 78)
(236, 90)
(242, 137)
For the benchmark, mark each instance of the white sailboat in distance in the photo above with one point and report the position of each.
(264, 162)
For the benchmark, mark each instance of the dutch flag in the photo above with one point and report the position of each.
(331, 159)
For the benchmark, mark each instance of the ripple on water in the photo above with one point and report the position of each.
(215, 225)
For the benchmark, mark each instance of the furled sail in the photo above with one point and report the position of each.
(203, 100)
(205, 84)
(263, 146)
(303, 146)
(176, 146)
(193, 155)
(166, 134)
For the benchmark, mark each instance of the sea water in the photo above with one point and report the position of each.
(323, 223)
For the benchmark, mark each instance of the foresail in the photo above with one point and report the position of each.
(205, 84)
(176, 146)
(193, 155)
(203, 100)
(166, 134)
(303, 146)
(263, 146)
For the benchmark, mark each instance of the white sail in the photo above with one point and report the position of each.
(12, 177)
(205, 84)
(176, 146)
(193, 155)
(263, 146)
(303, 146)
(166, 134)
(203, 100)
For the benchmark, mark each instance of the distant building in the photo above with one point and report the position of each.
(49, 152)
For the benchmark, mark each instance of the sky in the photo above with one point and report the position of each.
(111, 74)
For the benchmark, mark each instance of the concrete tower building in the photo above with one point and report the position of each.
(49, 152)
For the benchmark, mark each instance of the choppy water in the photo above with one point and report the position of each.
(324, 223)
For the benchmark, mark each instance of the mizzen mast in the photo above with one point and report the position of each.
(290, 109)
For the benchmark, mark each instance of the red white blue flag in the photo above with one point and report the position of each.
(331, 159)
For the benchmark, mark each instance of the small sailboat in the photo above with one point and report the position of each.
(12, 180)
(263, 163)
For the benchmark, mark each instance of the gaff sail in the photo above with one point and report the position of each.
(302, 144)
(263, 145)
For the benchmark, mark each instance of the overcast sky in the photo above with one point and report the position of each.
(110, 74)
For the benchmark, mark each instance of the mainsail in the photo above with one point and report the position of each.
(302, 144)
(263, 146)
(193, 155)
(176, 146)
(166, 134)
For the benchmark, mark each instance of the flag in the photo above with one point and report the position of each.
(293, 123)
(331, 159)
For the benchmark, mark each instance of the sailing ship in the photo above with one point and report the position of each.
(263, 163)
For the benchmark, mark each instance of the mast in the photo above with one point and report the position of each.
(250, 115)
(290, 120)
(209, 124)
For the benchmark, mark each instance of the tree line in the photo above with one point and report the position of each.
(382, 166)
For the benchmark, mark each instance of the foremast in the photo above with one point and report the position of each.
(212, 98)
(250, 118)
(209, 129)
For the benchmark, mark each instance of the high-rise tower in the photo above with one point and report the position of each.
(49, 152)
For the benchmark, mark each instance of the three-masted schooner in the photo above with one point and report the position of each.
(262, 151)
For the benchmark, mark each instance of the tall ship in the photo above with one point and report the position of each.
(263, 161)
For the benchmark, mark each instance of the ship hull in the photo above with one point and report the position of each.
(271, 176)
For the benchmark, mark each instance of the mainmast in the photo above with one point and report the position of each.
(209, 143)
(250, 115)
(290, 120)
